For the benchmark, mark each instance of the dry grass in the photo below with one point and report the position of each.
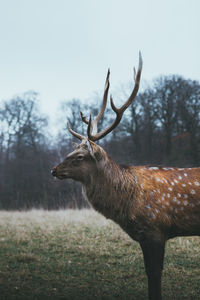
(81, 255)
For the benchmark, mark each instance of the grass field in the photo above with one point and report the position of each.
(81, 255)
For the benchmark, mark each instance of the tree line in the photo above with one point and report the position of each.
(160, 128)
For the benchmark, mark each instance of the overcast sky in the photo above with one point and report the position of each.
(63, 48)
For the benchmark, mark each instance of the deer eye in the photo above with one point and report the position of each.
(80, 157)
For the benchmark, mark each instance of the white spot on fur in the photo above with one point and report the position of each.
(176, 181)
(170, 189)
(148, 206)
(180, 177)
(185, 174)
(189, 183)
(158, 190)
(168, 195)
(185, 196)
(179, 195)
(174, 199)
(185, 202)
(158, 179)
(153, 168)
(183, 184)
(196, 183)
(172, 183)
(193, 192)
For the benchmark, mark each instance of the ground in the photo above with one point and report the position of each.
(78, 254)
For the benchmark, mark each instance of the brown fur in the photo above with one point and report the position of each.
(151, 204)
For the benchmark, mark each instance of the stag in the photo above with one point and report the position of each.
(151, 204)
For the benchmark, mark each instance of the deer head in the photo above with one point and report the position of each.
(85, 159)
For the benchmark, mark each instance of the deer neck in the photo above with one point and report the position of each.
(111, 190)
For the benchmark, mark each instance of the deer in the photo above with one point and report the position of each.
(151, 204)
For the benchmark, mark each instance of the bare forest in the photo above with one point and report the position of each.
(162, 127)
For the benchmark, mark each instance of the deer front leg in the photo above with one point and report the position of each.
(153, 252)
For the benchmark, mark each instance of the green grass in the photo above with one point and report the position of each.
(81, 255)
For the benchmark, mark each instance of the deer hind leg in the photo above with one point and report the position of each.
(153, 252)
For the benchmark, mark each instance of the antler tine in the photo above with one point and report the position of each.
(134, 76)
(105, 97)
(89, 127)
(119, 111)
(103, 133)
(93, 125)
(77, 135)
(83, 118)
(135, 89)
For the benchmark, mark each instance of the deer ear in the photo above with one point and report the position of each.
(97, 156)
(95, 153)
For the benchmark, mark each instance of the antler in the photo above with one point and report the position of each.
(92, 133)
(119, 111)
(93, 125)
(74, 133)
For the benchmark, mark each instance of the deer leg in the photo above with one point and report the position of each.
(153, 252)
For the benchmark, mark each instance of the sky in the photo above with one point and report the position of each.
(63, 48)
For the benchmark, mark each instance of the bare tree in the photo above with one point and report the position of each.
(189, 114)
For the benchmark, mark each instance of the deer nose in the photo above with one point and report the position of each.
(53, 172)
